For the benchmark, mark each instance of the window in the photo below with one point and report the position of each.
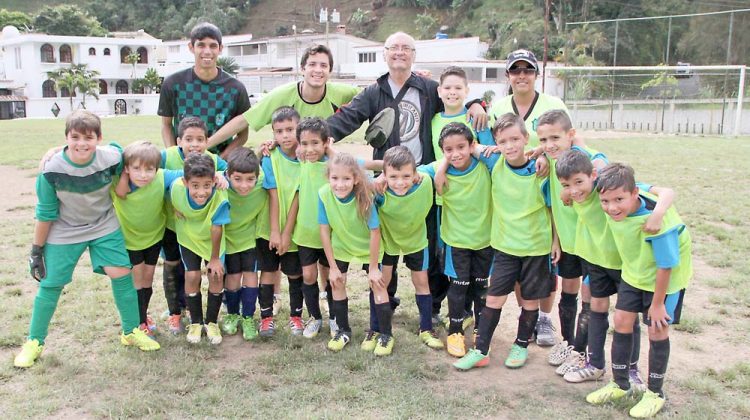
(106, 51)
(368, 57)
(491, 74)
(17, 52)
(48, 89)
(121, 87)
(66, 55)
(48, 54)
(174, 49)
(124, 53)
(142, 55)
(102, 87)
(92, 51)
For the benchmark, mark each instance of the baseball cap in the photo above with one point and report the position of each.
(521, 55)
(380, 128)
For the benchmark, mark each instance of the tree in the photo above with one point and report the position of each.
(20, 20)
(425, 24)
(79, 78)
(67, 19)
(64, 80)
(133, 58)
(228, 64)
(151, 80)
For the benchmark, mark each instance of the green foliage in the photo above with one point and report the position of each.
(132, 58)
(228, 64)
(67, 19)
(664, 83)
(152, 80)
(78, 78)
(426, 24)
(18, 19)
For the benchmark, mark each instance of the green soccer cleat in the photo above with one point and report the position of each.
(139, 339)
(249, 329)
(30, 351)
(650, 404)
(608, 393)
(230, 323)
(473, 358)
(384, 345)
(517, 357)
(340, 341)
(431, 339)
(194, 333)
(370, 341)
(213, 333)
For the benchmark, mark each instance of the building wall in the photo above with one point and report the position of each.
(146, 104)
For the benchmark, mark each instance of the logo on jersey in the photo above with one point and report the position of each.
(219, 120)
(409, 119)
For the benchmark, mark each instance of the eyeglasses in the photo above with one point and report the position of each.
(404, 48)
(525, 70)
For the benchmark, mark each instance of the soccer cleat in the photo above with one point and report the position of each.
(384, 346)
(151, 323)
(276, 304)
(517, 357)
(30, 351)
(296, 325)
(545, 332)
(431, 338)
(333, 327)
(174, 323)
(636, 381)
(474, 358)
(139, 339)
(559, 353)
(468, 322)
(249, 329)
(312, 328)
(574, 361)
(338, 342)
(650, 404)
(370, 341)
(213, 333)
(608, 393)
(144, 327)
(455, 345)
(267, 327)
(194, 333)
(586, 373)
(230, 323)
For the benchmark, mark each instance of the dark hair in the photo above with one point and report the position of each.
(83, 122)
(315, 125)
(284, 113)
(205, 30)
(616, 175)
(317, 49)
(455, 128)
(243, 160)
(555, 116)
(573, 162)
(397, 157)
(508, 120)
(190, 122)
(453, 71)
(198, 165)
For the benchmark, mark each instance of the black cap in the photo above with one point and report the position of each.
(521, 55)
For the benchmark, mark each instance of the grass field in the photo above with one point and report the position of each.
(84, 372)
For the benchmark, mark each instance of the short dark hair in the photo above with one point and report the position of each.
(316, 49)
(455, 128)
(315, 125)
(205, 30)
(616, 175)
(509, 120)
(83, 122)
(397, 157)
(573, 162)
(555, 116)
(243, 160)
(198, 165)
(453, 71)
(191, 122)
(284, 113)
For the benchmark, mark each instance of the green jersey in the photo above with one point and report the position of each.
(594, 241)
(141, 214)
(243, 212)
(306, 230)
(440, 120)
(402, 219)
(282, 174)
(174, 159)
(194, 229)
(350, 234)
(541, 104)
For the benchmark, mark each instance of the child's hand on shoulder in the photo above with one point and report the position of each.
(220, 181)
(265, 147)
(542, 167)
(47, 156)
(380, 184)
(653, 224)
(418, 178)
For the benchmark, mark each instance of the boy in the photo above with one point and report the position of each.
(466, 213)
(656, 270)
(523, 240)
(74, 213)
(246, 200)
(204, 211)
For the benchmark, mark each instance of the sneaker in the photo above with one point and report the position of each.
(194, 333)
(468, 322)
(608, 393)
(151, 323)
(517, 357)
(267, 327)
(574, 361)
(30, 351)
(249, 329)
(559, 353)
(586, 373)
(174, 323)
(370, 341)
(431, 338)
(333, 327)
(139, 339)
(230, 323)
(213, 333)
(340, 341)
(296, 325)
(650, 404)
(545, 332)
(312, 328)
(636, 381)
(474, 358)
(276, 304)
(384, 346)
(144, 327)
(455, 345)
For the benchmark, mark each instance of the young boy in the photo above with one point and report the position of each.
(74, 212)
(656, 270)
(246, 200)
(191, 138)
(523, 240)
(204, 211)
(276, 224)
(466, 214)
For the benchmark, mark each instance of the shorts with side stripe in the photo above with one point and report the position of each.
(532, 273)
(632, 299)
(464, 264)
(603, 282)
(242, 262)
(416, 261)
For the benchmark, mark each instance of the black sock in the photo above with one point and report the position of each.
(456, 304)
(342, 314)
(169, 275)
(195, 306)
(598, 326)
(526, 325)
(636, 354)
(329, 299)
(480, 299)
(180, 273)
(295, 297)
(311, 292)
(141, 305)
(265, 300)
(490, 318)
(567, 309)
(658, 357)
(622, 345)
(213, 306)
(233, 301)
(384, 312)
(582, 328)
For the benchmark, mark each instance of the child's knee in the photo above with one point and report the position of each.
(116, 272)
(624, 321)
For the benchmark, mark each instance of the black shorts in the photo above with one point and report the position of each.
(343, 266)
(416, 261)
(603, 282)
(570, 266)
(150, 255)
(631, 299)
(533, 273)
(465, 264)
(269, 261)
(170, 246)
(241, 262)
(310, 256)
(192, 261)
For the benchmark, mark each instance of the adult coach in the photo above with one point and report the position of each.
(204, 91)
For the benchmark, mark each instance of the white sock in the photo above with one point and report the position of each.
(544, 315)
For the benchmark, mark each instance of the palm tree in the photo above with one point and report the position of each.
(228, 64)
(64, 80)
(133, 58)
(76, 77)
